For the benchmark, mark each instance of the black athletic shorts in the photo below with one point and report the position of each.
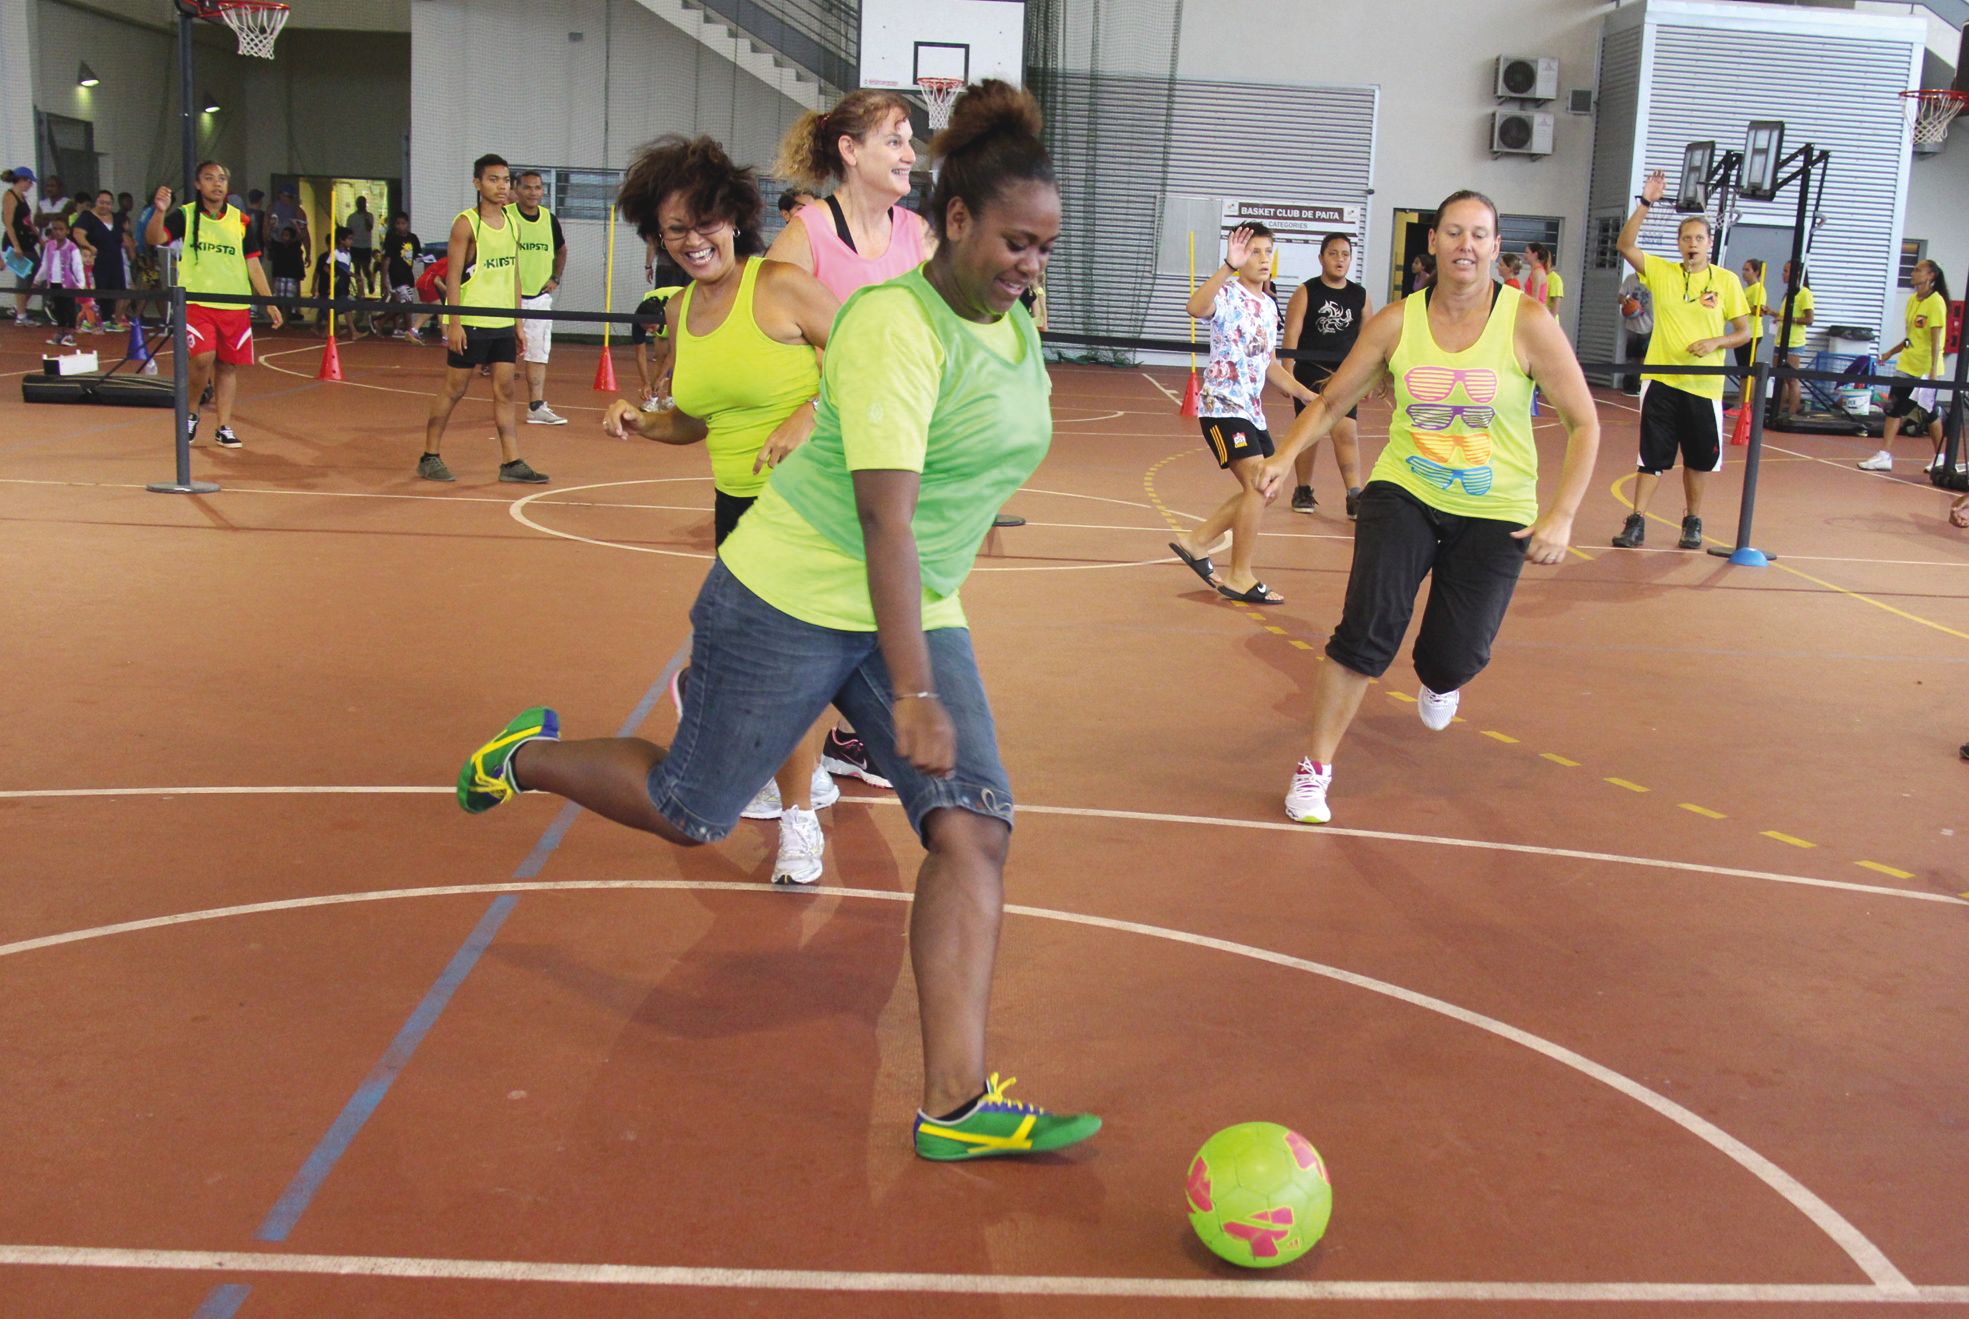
(484, 345)
(1674, 421)
(1473, 564)
(1902, 403)
(1314, 375)
(726, 510)
(649, 316)
(1233, 438)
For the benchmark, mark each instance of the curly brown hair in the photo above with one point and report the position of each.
(712, 188)
(810, 153)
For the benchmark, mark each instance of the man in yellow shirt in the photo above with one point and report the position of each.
(1908, 405)
(1699, 311)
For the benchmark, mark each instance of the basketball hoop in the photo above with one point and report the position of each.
(939, 94)
(1930, 110)
(255, 22)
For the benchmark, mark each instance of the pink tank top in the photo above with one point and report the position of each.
(844, 270)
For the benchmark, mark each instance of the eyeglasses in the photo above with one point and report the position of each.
(1433, 384)
(1475, 480)
(706, 229)
(1438, 416)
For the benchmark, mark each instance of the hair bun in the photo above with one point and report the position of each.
(984, 111)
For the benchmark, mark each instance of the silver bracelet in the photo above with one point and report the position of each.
(917, 696)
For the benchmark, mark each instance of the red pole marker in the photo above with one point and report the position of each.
(605, 373)
(331, 362)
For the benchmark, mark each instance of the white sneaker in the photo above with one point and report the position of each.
(544, 416)
(1436, 709)
(651, 403)
(1305, 800)
(1880, 462)
(766, 803)
(800, 846)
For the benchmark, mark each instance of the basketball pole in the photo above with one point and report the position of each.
(180, 348)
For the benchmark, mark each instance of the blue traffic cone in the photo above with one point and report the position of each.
(139, 350)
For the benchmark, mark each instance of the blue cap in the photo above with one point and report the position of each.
(23, 172)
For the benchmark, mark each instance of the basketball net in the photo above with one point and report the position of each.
(1930, 111)
(939, 94)
(257, 23)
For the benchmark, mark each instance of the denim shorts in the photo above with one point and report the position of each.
(760, 679)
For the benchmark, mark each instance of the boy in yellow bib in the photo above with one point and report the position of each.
(482, 270)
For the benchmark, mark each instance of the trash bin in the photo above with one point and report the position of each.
(1850, 340)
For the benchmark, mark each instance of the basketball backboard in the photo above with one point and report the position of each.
(903, 40)
(1763, 151)
(1697, 160)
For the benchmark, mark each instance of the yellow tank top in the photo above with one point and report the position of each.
(740, 383)
(214, 259)
(1461, 435)
(535, 239)
(488, 279)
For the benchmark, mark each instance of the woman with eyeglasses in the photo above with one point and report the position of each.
(745, 335)
(1454, 496)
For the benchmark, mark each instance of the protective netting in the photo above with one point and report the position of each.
(1085, 60)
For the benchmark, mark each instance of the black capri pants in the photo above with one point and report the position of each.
(1398, 541)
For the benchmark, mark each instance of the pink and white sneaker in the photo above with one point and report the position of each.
(1305, 800)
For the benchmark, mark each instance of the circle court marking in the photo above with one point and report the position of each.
(1862, 1252)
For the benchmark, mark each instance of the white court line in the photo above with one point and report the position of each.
(1868, 1257)
(965, 1284)
(1095, 813)
(1167, 393)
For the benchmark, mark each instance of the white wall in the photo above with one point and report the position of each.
(503, 76)
(17, 34)
(1435, 61)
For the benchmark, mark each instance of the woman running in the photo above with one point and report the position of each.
(743, 376)
(1325, 315)
(856, 237)
(934, 406)
(1243, 331)
(1454, 496)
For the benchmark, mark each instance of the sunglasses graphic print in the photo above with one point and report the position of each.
(1452, 440)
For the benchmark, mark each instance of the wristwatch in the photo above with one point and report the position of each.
(1643, 200)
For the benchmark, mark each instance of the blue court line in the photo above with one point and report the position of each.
(227, 1298)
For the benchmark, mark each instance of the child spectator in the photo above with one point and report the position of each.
(60, 268)
(288, 261)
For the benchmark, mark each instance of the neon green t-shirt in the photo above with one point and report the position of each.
(1555, 286)
(882, 383)
(1799, 307)
(1924, 317)
(1689, 308)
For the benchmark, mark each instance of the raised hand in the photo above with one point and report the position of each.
(1654, 186)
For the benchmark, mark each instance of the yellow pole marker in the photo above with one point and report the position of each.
(332, 281)
(1192, 319)
(608, 279)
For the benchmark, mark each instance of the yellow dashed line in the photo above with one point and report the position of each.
(1787, 838)
(1703, 811)
(1496, 736)
(1889, 870)
(1301, 645)
(1399, 696)
(1558, 759)
(1623, 783)
(1279, 630)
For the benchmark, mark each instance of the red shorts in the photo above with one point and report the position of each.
(227, 331)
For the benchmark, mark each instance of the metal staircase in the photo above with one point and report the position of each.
(809, 49)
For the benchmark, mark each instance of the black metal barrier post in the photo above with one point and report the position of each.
(181, 405)
(1745, 555)
(1952, 431)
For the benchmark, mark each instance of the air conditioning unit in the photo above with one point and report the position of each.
(1527, 78)
(1521, 133)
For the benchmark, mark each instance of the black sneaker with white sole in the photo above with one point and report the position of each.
(1691, 534)
(1633, 534)
(191, 429)
(1302, 499)
(844, 754)
(1354, 502)
(226, 439)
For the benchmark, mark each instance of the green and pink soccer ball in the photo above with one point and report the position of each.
(1258, 1195)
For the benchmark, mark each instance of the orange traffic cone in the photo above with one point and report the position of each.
(605, 373)
(1192, 395)
(331, 362)
(1740, 433)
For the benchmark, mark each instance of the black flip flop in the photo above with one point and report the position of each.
(1259, 594)
(1198, 563)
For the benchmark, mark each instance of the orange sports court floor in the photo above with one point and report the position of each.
(1637, 991)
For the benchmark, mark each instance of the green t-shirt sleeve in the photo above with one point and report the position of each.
(884, 365)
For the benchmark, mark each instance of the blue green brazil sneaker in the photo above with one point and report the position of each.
(486, 780)
(998, 1126)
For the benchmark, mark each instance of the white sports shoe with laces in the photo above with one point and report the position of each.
(766, 804)
(1436, 708)
(1305, 800)
(800, 846)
